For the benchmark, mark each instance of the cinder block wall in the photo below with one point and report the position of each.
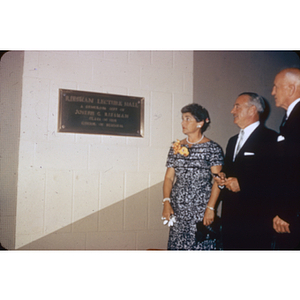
(82, 191)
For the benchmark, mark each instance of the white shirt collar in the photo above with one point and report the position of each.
(291, 107)
(249, 129)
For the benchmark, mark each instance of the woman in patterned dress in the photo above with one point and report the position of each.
(189, 192)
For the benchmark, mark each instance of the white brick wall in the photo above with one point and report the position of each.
(95, 191)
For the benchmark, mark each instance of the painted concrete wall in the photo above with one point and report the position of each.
(82, 191)
(11, 70)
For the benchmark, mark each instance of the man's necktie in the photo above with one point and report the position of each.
(239, 145)
(283, 122)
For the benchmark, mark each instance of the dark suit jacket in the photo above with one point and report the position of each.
(289, 174)
(246, 215)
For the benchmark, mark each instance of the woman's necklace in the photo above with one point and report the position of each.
(187, 139)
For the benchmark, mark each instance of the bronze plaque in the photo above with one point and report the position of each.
(97, 113)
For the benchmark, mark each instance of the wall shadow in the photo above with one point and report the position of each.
(130, 224)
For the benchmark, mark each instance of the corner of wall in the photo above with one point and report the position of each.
(11, 73)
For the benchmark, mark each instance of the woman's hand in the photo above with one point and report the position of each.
(209, 217)
(220, 178)
(167, 211)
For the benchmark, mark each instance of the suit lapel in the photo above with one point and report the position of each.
(291, 122)
(248, 146)
(294, 114)
(231, 147)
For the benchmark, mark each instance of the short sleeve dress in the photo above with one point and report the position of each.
(191, 192)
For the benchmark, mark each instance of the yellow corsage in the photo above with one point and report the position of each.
(178, 148)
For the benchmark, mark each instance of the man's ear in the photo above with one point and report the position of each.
(291, 89)
(253, 110)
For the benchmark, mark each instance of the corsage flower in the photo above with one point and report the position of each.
(178, 148)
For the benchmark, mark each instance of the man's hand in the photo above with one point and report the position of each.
(232, 184)
(280, 226)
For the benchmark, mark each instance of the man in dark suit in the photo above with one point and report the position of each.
(246, 214)
(286, 91)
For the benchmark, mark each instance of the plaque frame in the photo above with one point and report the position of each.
(100, 113)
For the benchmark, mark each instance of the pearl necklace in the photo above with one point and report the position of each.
(187, 139)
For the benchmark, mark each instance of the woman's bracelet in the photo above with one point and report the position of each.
(166, 199)
(209, 207)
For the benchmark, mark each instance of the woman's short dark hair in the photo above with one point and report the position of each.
(199, 113)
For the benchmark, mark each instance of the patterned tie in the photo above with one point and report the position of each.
(239, 145)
